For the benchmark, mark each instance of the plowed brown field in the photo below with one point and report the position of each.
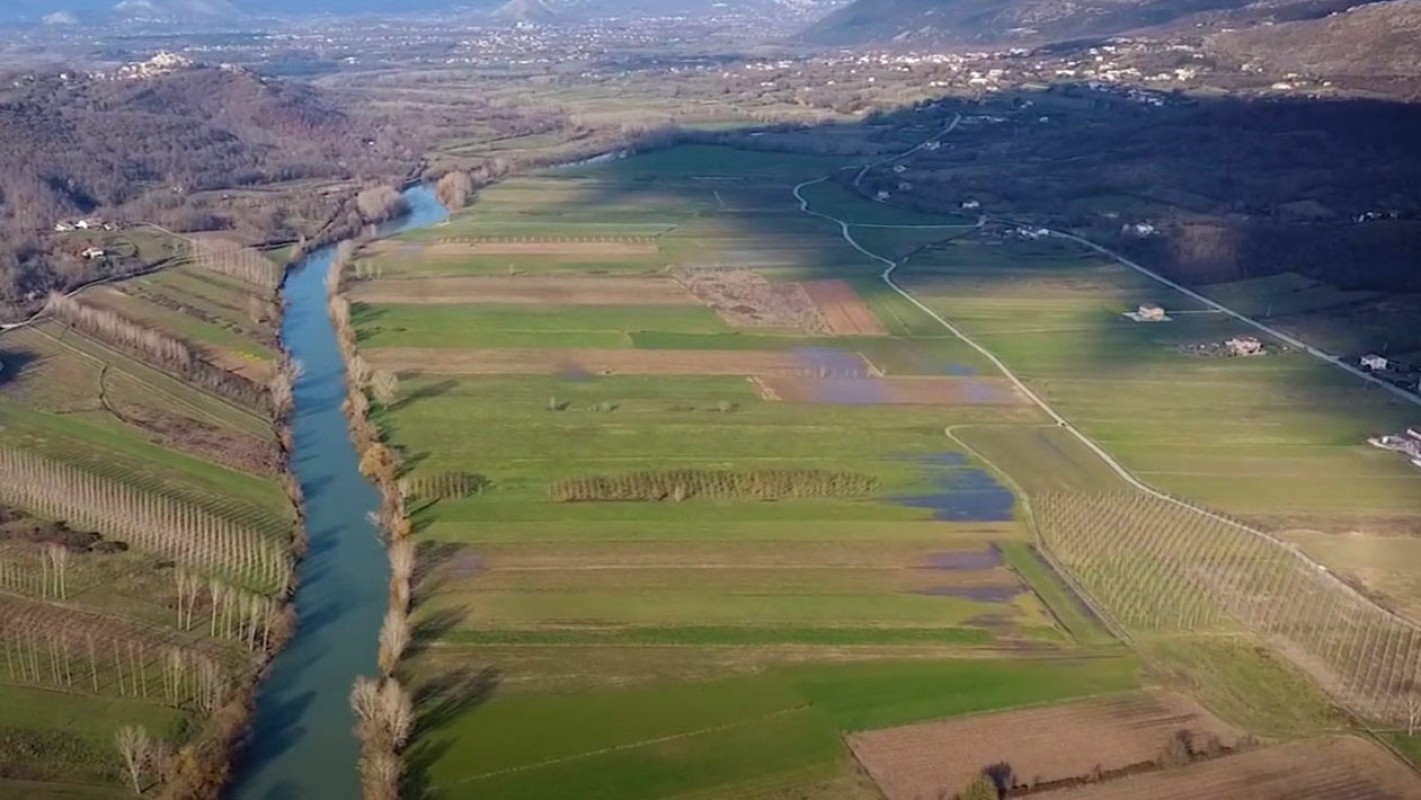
(568, 290)
(1040, 744)
(901, 391)
(1342, 768)
(515, 361)
(843, 311)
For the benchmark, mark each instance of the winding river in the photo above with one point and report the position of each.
(302, 745)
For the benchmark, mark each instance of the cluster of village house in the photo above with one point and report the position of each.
(68, 226)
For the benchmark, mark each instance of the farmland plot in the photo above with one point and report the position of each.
(1042, 745)
(1344, 768)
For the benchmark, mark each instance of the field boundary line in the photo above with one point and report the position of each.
(890, 266)
(1115, 629)
(632, 745)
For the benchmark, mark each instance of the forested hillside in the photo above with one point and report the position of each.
(147, 149)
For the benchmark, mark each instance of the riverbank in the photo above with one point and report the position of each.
(302, 715)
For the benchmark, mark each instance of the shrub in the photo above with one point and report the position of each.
(726, 484)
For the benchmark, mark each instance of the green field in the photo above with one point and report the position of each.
(712, 648)
(126, 440)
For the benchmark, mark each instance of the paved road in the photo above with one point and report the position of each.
(890, 266)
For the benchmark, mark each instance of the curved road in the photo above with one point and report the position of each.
(890, 266)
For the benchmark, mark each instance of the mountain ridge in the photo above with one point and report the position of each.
(1037, 22)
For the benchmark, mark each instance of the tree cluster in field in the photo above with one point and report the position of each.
(441, 485)
(232, 259)
(150, 345)
(69, 650)
(684, 484)
(153, 522)
(1153, 565)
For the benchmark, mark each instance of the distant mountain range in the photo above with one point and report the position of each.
(60, 12)
(1031, 22)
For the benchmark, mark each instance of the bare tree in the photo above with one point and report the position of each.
(136, 748)
(394, 638)
(384, 386)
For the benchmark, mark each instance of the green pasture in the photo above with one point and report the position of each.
(782, 726)
(474, 325)
(59, 736)
(720, 648)
(1266, 436)
(1284, 293)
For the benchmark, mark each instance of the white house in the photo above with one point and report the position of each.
(1373, 362)
(899, 168)
(881, 196)
(93, 253)
(82, 224)
(63, 227)
(971, 205)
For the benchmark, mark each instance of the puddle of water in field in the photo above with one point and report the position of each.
(965, 561)
(960, 370)
(982, 594)
(825, 362)
(960, 493)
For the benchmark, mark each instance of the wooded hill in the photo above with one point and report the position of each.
(144, 150)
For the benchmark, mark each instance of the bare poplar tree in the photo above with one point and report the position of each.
(394, 638)
(136, 748)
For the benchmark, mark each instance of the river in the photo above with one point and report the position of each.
(302, 742)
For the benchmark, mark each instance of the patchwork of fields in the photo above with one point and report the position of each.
(144, 526)
(659, 379)
(808, 536)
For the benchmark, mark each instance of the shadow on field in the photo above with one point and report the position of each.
(423, 393)
(432, 627)
(437, 703)
(430, 560)
(12, 363)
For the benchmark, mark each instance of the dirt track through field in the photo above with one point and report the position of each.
(516, 361)
(1342, 768)
(568, 290)
(1051, 743)
(844, 313)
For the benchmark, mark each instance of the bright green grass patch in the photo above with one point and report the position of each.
(1039, 458)
(1409, 746)
(739, 636)
(1244, 682)
(182, 325)
(697, 606)
(70, 737)
(525, 326)
(668, 740)
(1065, 606)
(109, 448)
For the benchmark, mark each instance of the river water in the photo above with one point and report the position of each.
(302, 744)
